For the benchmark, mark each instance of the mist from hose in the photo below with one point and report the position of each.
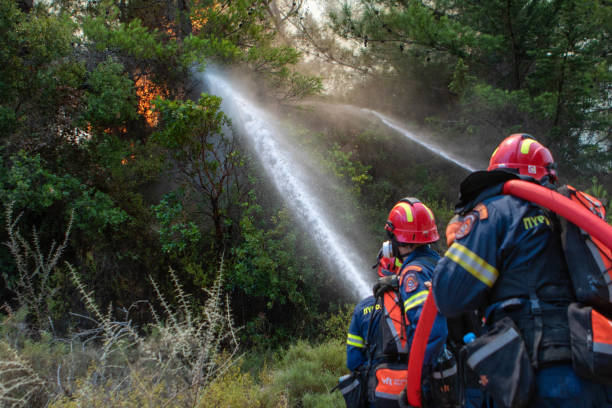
(282, 166)
(410, 135)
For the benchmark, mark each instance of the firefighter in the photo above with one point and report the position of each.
(507, 261)
(362, 344)
(411, 228)
(363, 315)
(382, 325)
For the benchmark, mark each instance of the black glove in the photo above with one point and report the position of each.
(402, 400)
(384, 284)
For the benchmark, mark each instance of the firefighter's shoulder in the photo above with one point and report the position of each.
(365, 304)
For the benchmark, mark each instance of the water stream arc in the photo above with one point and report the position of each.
(438, 151)
(283, 169)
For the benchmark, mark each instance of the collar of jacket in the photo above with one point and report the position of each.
(482, 184)
(424, 250)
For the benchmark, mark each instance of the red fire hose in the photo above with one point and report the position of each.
(417, 350)
(558, 203)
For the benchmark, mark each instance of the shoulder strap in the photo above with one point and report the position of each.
(565, 207)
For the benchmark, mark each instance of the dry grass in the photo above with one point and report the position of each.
(113, 363)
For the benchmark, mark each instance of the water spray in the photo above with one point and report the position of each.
(282, 167)
(410, 135)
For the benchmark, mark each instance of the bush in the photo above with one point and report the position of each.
(234, 389)
(306, 375)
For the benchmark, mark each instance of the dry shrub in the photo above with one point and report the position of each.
(111, 364)
(172, 368)
(20, 385)
(34, 268)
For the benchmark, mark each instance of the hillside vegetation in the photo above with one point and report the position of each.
(147, 260)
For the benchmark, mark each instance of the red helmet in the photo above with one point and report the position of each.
(522, 152)
(410, 221)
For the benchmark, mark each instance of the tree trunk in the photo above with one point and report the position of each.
(218, 222)
(183, 23)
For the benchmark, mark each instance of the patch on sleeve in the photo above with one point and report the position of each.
(410, 282)
(483, 213)
(466, 226)
(452, 228)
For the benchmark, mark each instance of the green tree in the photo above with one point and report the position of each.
(536, 66)
(273, 276)
(38, 75)
(111, 100)
(177, 234)
(194, 135)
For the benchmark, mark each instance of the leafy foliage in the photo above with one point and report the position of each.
(499, 67)
(176, 234)
(270, 270)
(112, 99)
(193, 134)
(29, 185)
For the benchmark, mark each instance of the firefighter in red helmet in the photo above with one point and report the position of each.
(411, 228)
(410, 225)
(520, 152)
(507, 260)
(382, 326)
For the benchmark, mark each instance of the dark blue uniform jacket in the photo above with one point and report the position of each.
(506, 252)
(413, 292)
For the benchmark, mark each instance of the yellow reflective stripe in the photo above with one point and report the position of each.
(398, 263)
(350, 343)
(415, 300)
(431, 216)
(356, 341)
(472, 263)
(408, 210)
(525, 145)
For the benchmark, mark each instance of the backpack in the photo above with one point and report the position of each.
(588, 260)
(590, 266)
(591, 339)
(387, 378)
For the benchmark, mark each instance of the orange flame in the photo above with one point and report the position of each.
(147, 91)
(199, 16)
(132, 156)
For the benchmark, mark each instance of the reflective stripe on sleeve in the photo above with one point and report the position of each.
(355, 341)
(415, 300)
(472, 263)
